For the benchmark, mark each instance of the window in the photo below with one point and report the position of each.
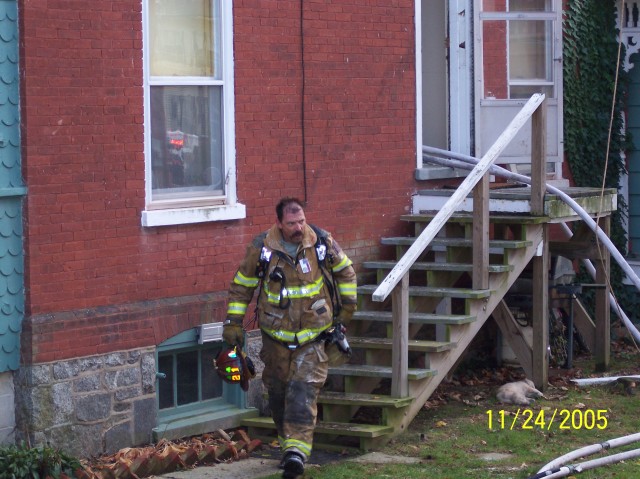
(519, 53)
(518, 49)
(189, 119)
(187, 377)
(191, 398)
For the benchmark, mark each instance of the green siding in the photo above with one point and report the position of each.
(12, 192)
(633, 156)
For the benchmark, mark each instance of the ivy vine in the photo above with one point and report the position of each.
(593, 140)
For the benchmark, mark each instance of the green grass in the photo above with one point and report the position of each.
(450, 439)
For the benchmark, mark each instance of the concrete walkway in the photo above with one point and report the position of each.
(264, 463)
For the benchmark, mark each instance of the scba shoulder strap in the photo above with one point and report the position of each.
(323, 254)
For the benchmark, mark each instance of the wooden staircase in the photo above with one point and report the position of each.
(419, 314)
(357, 409)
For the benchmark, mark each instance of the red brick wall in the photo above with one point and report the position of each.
(495, 59)
(344, 141)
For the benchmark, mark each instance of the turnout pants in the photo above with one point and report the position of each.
(293, 379)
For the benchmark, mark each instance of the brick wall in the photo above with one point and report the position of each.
(495, 59)
(337, 130)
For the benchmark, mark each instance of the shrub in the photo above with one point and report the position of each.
(24, 462)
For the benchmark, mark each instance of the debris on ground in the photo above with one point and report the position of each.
(168, 456)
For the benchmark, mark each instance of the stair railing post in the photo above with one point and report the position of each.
(540, 312)
(400, 350)
(538, 158)
(480, 275)
(602, 351)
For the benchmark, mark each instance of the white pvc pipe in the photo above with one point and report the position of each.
(589, 450)
(466, 161)
(565, 471)
(612, 299)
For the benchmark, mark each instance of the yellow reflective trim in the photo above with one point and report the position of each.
(304, 447)
(307, 335)
(303, 337)
(342, 264)
(297, 292)
(243, 280)
(237, 308)
(280, 335)
(348, 289)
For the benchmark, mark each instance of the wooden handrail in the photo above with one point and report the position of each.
(420, 244)
(397, 281)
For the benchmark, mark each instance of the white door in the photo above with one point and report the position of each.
(518, 52)
(445, 54)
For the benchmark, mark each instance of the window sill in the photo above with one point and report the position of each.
(181, 216)
(225, 416)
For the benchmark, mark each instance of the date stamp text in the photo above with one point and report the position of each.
(546, 420)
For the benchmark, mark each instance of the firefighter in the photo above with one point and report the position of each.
(306, 284)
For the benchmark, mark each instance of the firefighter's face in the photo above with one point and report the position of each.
(292, 225)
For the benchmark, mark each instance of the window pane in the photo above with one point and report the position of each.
(183, 38)
(516, 6)
(525, 91)
(211, 382)
(529, 50)
(494, 5)
(530, 5)
(186, 141)
(187, 381)
(165, 385)
(530, 56)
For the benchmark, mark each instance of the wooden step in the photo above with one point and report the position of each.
(457, 242)
(431, 266)
(415, 318)
(435, 292)
(365, 370)
(426, 217)
(341, 428)
(414, 344)
(358, 399)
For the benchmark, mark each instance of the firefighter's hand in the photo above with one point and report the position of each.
(233, 334)
(346, 313)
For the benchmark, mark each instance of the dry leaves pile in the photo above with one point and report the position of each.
(168, 456)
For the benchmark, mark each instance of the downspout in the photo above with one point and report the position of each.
(302, 104)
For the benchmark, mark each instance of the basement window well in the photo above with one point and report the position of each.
(191, 398)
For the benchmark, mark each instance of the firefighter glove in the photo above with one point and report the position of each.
(233, 334)
(346, 312)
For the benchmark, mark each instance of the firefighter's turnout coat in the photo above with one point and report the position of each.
(294, 309)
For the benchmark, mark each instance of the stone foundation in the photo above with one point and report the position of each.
(7, 415)
(97, 404)
(88, 406)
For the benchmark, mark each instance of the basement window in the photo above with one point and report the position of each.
(190, 396)
(187, 377)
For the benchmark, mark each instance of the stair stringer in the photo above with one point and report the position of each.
(463, 335)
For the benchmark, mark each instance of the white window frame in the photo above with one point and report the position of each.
(219, 208)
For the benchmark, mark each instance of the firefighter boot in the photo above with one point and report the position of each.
(293, 465)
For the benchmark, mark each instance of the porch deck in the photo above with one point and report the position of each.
(516, 200)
